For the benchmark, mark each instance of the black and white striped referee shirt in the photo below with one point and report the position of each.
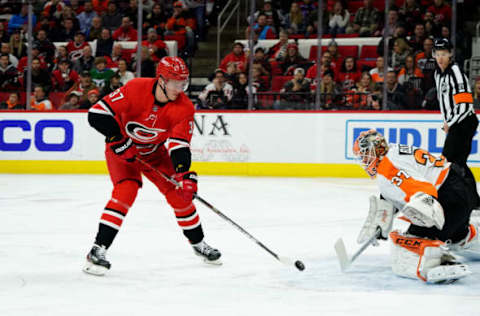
(454, 94)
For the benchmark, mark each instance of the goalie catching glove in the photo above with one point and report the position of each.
(424, 210)
(380, 216)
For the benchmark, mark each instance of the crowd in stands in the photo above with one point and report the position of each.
(284, 79)
(67, 72)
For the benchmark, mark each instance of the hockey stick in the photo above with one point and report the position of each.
(285, 260)
(342, 255)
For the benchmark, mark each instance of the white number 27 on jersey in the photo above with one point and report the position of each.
(114, 97)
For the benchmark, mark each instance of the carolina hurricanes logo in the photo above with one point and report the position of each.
(142, 133)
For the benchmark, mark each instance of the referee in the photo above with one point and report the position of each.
(456, 104)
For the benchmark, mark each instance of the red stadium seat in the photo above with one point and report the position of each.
(368, 51)
(353, 6)
(279, 81)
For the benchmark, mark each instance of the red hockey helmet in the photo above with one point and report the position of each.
(172, 68)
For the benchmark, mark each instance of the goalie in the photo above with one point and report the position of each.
(433, 195)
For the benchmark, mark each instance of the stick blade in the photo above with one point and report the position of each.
(342, 254)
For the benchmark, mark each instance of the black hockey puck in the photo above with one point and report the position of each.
(300, 266)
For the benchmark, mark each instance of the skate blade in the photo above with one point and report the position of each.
(94, 269)
(217, 262)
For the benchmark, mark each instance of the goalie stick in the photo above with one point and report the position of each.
(285, 260)
(342, 255)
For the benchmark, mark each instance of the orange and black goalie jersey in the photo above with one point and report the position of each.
(132, 111)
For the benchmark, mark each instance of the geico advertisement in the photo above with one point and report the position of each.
(48, 136)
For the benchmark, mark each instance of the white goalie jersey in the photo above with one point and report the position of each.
(406, 170)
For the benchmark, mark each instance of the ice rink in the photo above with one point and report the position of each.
(48, 223)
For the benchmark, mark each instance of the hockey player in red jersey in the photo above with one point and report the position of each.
(433, 195)
(150, 119)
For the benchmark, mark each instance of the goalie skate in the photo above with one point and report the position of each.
(208, 254)
(96, 263)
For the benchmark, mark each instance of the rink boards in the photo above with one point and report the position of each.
(224, 143)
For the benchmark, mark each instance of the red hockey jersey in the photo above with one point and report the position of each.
(146, 121)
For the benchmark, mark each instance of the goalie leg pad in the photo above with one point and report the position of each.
(424, 259)
(424, 210)
(469, 247)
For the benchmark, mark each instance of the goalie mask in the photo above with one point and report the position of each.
(369, 148)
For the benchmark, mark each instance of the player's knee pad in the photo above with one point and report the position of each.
(123, 195)
(424, 259)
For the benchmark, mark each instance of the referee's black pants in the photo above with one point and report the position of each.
(458, 145)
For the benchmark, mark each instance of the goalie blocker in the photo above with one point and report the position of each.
(433, 195)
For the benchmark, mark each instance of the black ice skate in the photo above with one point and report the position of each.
(96, 263)
(209, 254)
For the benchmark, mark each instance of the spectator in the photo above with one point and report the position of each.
(18, 48)
(92, 97)
(3, 34)
(312, 22)
(5, 49)
(104, 44)
(425, 61)
(8, 75)
(125, 32)
(101, 6)
(40, 102)
(64, 78)
(100, 74)
(416, 40)
(295, 21)
(442, 12)
(124, 74)
(75, 47)
(112, 19)
(237, 57)
(157, 47)
(349, 74)
(399, 32)
(95, 31)
(338, 19)
(476, 94)
(292, 61)
(85, 62)
(261, 28)
(76, 7)
(17, 21)
(198, 9)
(307, 6)
(68, 13)
(46, 25)
(333, 56)
(297, 91)
(83, 86)
(392, 22)
(329, 91)
(411, 78)
(65, 32)
(261, 63)
(400, 51)
(325, 64)
(377, 73)
(53, 9)
(218, 94)
(366, 20)
(410, 14)
(73, 101)
(86, 17)
(147, 65)
(396, 99)
(60, 53)
(180, 23)
(271, 13)
(156, 19)
(23, 62)
(360, 95)
(131, 11)
(241, 92)
(40, 76)
(112, 86)
(277, 52)
(45, 46)
(258, 80)
(12, 103)
(117, 54)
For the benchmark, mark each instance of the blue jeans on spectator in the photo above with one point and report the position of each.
(200, 17)
(337, 30)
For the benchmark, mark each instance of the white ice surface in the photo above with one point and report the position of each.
(48, 222)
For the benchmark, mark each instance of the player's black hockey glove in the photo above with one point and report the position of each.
(123, 147)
